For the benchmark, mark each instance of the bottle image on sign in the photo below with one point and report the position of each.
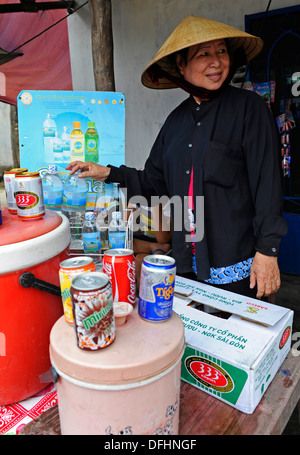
(77, 143)
(49, 131)
(57, 149)
(65, 137)
(91, 143)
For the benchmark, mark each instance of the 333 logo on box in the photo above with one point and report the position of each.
(285, 337)
(209, 374)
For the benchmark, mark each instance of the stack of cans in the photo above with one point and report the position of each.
(24, 193)
(88, 295)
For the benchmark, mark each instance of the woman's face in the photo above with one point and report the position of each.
(207, 64)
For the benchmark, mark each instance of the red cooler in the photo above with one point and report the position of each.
(30, 254)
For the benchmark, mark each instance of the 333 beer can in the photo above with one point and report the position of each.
(29, 196)
(9, 184)
(156, 290)
(119, 266)
(92, 306)
(69, 268)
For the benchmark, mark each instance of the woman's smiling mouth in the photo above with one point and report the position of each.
(215, 77)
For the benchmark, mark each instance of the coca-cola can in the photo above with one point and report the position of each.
(92, 306)
(119, 266)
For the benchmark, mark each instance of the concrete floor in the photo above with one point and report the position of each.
(288, 296)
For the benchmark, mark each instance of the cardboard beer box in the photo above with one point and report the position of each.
(233, 358)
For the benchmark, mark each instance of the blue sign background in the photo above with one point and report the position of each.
(106, 109)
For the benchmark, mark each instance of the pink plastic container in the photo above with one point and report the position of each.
(130, 387)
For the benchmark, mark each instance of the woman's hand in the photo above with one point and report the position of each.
(265, 274)
(89, 169)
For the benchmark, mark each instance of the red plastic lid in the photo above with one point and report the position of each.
(15, 230)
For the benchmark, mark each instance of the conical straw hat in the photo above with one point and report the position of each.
(196, 30)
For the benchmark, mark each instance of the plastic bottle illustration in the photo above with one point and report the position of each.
(57, 149)
(91, 139)
(90, 235)
(49, 130)
(116, 231)
(65, 137)
(77, 143)
(52, 188)
(74, 205)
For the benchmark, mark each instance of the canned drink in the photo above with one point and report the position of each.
(92, 305)
(29, 196)
(69, 268)
(9, 184)
(156, 291)
(119, 266)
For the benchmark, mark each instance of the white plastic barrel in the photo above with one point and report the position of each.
(129, 387)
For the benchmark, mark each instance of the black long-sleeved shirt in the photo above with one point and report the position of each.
(232, 145)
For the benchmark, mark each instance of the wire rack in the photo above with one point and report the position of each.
(78, 250)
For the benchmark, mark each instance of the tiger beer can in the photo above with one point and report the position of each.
(156, 290)
(9, 184)
(69, 268)
(29, 196)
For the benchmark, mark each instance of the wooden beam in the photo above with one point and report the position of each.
(102, 45)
